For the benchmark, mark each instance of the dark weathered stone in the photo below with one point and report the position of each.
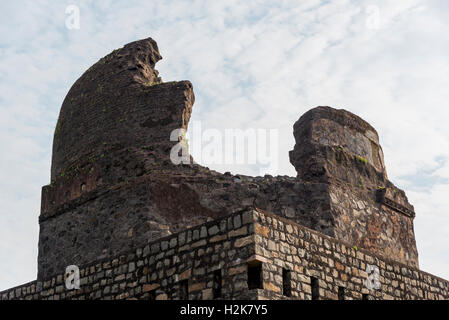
(341, 151)
(323, 131)
(114, 187)
(121, 210)
(114, 128)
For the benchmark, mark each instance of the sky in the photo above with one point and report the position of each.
(253, 64)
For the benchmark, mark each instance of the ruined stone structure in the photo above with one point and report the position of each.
(340, 152)
(142, 227)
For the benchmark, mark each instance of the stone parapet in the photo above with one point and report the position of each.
(250, 254)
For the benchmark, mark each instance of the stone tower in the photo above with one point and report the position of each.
(113, 129)
(114, 187)
(341, 152)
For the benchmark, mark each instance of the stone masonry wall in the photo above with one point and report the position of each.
(157, 270)
(283, 244)
(219, 253)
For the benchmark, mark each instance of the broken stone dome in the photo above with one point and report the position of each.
(104, 107)
(113, 187)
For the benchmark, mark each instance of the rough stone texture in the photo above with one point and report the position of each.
(340, 151)
(114, 126)
(114, 187)
(102, 106)
(273, 242)
(307, 253)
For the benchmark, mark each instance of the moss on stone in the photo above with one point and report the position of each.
(362, 160)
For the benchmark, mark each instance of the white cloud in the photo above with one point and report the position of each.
(253, 64)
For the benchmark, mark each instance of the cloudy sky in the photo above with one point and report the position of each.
(253, 64)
